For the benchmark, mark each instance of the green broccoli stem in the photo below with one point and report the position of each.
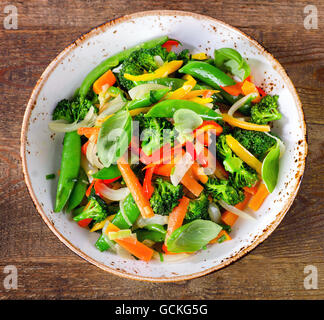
(114, 61)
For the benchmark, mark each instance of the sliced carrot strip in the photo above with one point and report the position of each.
(259, 197)
(222, 233)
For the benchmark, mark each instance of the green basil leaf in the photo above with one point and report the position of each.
(270, 168)
(192, 236)
(230, 60)
(114, 137)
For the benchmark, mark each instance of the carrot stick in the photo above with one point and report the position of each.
(220, 172)
(252, 190)
(107, 78)
(177, 216)
(259, 197)
(198, 173)
(191, 184)
(135, 188)
(222, 233)
(229, 217)
(88, 132)
(164, 170)
(132, 245)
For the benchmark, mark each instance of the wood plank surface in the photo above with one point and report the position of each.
(49, 270)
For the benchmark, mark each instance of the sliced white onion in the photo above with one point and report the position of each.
(88, 168)
(63, 126)
(112, 194)
(282, 147)
(158, 60)
(139, 91)
(170, 257)
(238, 212)
(214, 213)
(122, 210)
(209, 105)
(157, 219)
(239, 103)
(111, 107)
(181, 168)
(92, 153)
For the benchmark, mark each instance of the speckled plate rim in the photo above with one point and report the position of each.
(32, 101)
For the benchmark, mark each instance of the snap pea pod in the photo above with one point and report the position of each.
(173, 83)
(167, 108)
(131, 211)
(150, 235)
(107, 173)
(70, 166)
(114, 61)
(210, 75)
(148, 99)
(78, 191)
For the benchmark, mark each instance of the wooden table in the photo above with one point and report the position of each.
(47, 269)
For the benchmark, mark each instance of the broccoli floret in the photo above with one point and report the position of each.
(257, 142)
(154, 132)
(198, 208)
(94, 210)
(72, 111)
(244, 177)
(184, 55)
(241, 175)
(141, 61)
(165, 196)
(223, 190)
(266, 110)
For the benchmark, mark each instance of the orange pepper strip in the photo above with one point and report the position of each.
(259, 197)
(249, 87)
(198, 173)
(135, 188)
(191, 184)
(229, 217)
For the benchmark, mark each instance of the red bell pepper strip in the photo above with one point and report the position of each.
(84, 148)
(90, 187)
(168, 44)
(84, 223)
(147, 183)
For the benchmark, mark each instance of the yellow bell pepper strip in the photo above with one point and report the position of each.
(205, 93)
(101, 224)
(199, 56)
(162, 72)
(201, 100)
(121, 234)
(244, 125)
(135, 112)
(185, 89)
(244, 154)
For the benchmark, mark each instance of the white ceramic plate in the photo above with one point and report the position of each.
(41, 149)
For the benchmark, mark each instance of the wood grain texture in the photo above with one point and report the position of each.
(49, 270)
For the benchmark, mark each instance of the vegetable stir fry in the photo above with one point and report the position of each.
(164, 150)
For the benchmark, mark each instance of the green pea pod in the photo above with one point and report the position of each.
(173, 83)
(70, 166)
(114, 61)
(107, 173)
(150, 235)
(78, 191)
(210, 75)
(155, 227)
(77, 211)
(148, 99)
(167, 108)
(130, 210)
